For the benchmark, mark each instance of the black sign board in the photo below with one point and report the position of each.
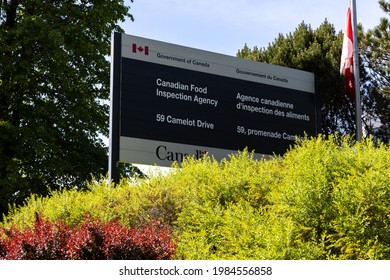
(174, 101)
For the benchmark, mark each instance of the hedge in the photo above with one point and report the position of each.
(326, 198)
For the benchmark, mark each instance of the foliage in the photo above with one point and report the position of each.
(90, 241)
(326, 198)
(376, 58)
(54, 84)
(132, 202)
(337, 190)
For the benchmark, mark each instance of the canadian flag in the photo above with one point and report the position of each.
(346, 67)
(144, 50)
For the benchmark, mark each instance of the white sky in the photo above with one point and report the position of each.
(224, 26)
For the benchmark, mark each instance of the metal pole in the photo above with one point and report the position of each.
(113, 158)
(358, 105)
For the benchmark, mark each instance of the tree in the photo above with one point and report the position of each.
(376, 59)
(317, 51)
(54, 79)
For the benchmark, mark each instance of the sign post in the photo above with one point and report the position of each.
(115, 86)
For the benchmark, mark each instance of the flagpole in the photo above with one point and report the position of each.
(358, 106)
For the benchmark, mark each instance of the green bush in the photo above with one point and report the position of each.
(324, 199)
(338, 191)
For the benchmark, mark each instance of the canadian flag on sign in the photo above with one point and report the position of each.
(144, 50)
(346, 67)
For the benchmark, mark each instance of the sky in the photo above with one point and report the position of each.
(225, 26)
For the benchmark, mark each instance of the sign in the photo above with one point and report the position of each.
(169, 101)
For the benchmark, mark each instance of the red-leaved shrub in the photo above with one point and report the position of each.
(91, 240)
(45, 241)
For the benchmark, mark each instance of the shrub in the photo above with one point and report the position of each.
(131, 203)
(44, 241)
(90, 241)
(232, 216)
(326, 198)
(337, 193)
